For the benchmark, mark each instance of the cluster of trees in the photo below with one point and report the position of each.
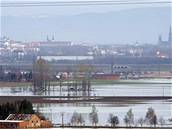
(15, 76)
(41, 75)
(17, 107)
(78, 119)
(113, 120)
(150, 119)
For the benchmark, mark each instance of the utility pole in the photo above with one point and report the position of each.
(163, 92)
(51, 114)
(158, 56)
(62, 114)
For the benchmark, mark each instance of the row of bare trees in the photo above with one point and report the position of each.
(78, 119)
(43, 74)
(150, 119)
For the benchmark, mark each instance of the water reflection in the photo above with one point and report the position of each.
(53, 111)
(160, 89)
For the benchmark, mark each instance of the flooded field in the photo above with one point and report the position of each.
(53, 111)
(155, 87)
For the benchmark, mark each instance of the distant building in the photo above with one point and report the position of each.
(164, 47)
(106, 76)
(16, 121)
(66, 58)
(50, 47)
(52, 43)
(167, 42)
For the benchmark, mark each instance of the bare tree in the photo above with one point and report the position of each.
(77, 119)
(154, 120)
(81, 120)
(41, 74)
(129, 118)
(94, 116)
(151, 117)
(161, 120)
(113, 120)
(126, 121)
(74, 119)
(141, 121)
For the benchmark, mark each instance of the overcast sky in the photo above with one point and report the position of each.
(81, 33)
(68, 10)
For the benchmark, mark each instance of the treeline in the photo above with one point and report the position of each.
(150, 119)
(17, 107)
(130, 60)
(15, 76)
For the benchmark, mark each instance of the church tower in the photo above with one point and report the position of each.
(48, 39)
(159, 39)
(53, 38)
(170, 36)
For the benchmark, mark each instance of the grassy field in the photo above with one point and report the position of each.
(14, 84)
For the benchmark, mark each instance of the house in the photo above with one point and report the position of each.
(15, 121)
(106, 76)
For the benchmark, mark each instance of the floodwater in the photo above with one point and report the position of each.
(158, 87)
(53, 111)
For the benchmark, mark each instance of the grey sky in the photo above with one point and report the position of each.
(66, 10)
(76, 31)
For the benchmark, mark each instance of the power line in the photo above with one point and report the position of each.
(82, 3)
(50, 2)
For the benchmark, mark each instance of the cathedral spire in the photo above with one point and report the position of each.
(160, 39)
(170, 36)
(53, 38)
(48, 38)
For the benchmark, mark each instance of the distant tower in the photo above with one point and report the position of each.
(48, 38)
(53, 38)
(170, 36)
(160, 39)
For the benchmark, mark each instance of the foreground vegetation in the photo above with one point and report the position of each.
(150, 120)
(17, 107)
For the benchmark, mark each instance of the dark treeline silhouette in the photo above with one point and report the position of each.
(130, 60)
(17, 107)
(15, 76)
